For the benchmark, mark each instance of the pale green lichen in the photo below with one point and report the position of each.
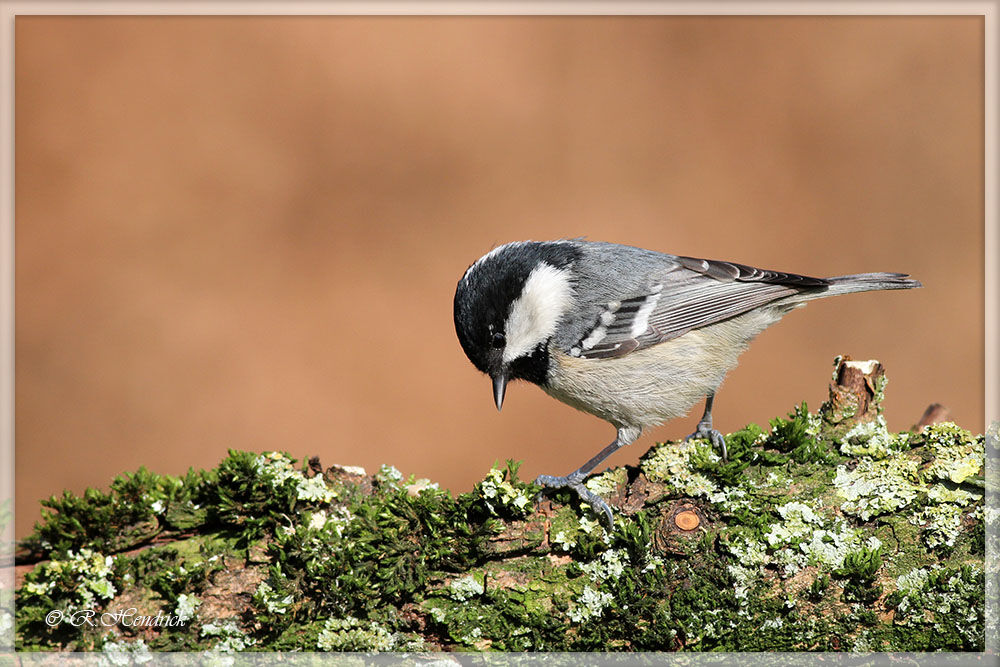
(89, 570)
(496, 490)
(776, 480)
(752, 555)
(317, 531)
(439, 614)
(592, 526)
(389, 474)
(912, 581)
(879, 394)
(466, 587)
(940, 493)
(957, 455)
(891, 483)
(333, 521)
(805, 537)
(950, 598)
(564, 542)
(314, 489)
(187, 606)
(590, 605)
(267, 598)
(733, 499)
(941, 524)
(873, 439)
(942, 519)
(610, 565)
(874, 488)
(608, 482)
(472, 637)
(670, 464)
(744, 579)
(831, 547)
(799, 520)
(122, 652)
(231, 638)
(276, 470)
(350, 634)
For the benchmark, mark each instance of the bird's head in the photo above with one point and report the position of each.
(508, 305)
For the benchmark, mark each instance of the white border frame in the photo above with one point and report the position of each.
(10, 10)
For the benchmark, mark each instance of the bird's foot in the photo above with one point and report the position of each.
(713, 436)
(574, 481)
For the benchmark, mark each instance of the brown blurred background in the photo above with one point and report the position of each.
(246, 232)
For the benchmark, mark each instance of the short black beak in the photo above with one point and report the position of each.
(499, 388)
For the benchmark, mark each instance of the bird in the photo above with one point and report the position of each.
(632, 336)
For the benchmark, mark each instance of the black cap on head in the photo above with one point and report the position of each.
(484, 297)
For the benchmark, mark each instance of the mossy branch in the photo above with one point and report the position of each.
(823, 532)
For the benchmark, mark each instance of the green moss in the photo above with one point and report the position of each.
(879, 394)
(858, 570)
(796, 543)
(136, 508)
(798, 437)
(57, 596)
(938, 608)
(253, 492)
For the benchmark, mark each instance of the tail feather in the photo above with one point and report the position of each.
(867, 282)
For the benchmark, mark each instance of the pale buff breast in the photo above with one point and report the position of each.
(659, 383)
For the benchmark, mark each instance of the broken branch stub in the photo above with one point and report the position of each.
(856, 392)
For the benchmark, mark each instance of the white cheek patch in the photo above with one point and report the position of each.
(533, 316)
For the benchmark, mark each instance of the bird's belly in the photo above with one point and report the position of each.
(653, 385)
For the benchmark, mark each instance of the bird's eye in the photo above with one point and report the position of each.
(498, 340)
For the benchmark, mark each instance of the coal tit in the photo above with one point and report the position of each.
(632, 336)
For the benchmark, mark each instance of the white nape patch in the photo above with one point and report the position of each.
(533, 316)
(645, 310)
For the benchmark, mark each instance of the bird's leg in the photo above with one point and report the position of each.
(626, 436)
(705, 430)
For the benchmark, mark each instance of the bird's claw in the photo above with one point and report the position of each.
(713, 436)
(574, 482)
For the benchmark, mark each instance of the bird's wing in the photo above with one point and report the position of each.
(697, 293)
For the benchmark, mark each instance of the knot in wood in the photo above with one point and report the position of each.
(687, 520)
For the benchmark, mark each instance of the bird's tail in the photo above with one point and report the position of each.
(867, 282)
